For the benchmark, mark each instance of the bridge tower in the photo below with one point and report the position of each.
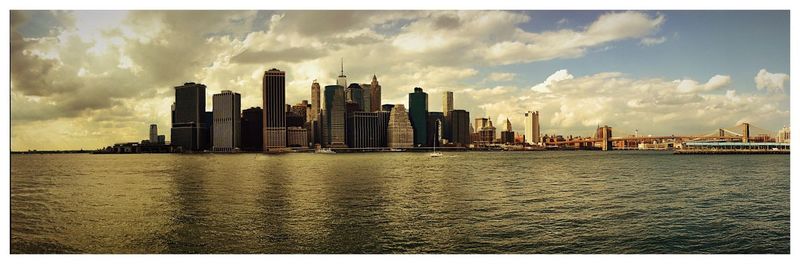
(745, 132)
(606, 139)
(721, 132)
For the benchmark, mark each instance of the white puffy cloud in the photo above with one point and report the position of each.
(691, 86)
(770, 81)
(559, 75)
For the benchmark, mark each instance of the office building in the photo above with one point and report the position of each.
(532, 128)
(367, 97)
(375, 95)
(507, 134)
(300, 109)
(252, 127)
(418, 114)
(400, 132)
(315, 101)
(368, 129)
(447, 102)
(487, 133)
(274, 105)
(333, 117)
(436, 124)
(189, 131)
(227, 121)
(297, 137)
(153, 133)
(354, 93)
(783, 135)
(460, 127)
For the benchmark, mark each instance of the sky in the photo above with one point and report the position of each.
(89, 79)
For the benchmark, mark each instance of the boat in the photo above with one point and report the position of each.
(434, 153)
(324, 151)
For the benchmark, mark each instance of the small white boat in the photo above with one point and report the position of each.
(325, 151)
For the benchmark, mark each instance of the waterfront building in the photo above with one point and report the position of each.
(458, 121)
(368, 129)
(532, 128)
(333, 117)
(375, 95)
(783, 135)
(507, 135)
(418, 114)
(447, 102)
(300, 109)
(436, 123)
(354, 93)
(487, 133)
(315, 100)
(227, 121)
(252, 135)
(400, 133)
(297, 137)
(189, 130)
(153, 133)
(367, 97)
(274, 105)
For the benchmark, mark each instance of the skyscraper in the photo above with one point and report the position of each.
(507, 134)
(333, 116)
(355, 93)
(532, 128)
(368, 129)
(189, 131)
(342, 79)
(315, 103)
(274, 96)
(418, 113)
(447, 102)
(459, 127)
(252, 136)
(367, 97)
(436, 123)
(375, 95)
(227, 122)
(153, 133)
(400, 133)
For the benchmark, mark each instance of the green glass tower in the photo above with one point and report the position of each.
(418, 114)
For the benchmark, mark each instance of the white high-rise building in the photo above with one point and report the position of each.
(783, 135)
(532, 135)
(400, 133)
(227, 121)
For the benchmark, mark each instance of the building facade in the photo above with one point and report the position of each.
(447, 102)
(783, 135)
(532, 129)
(418, 114)
(252, 127)
(375, 95)
(297, 137)
(368, 129)
(333, 117)
(354, 93)
(400, 133)
(460, 127)
(507, 134)
(153, 133)
(190, 130)
(274, 105)
(227, 121)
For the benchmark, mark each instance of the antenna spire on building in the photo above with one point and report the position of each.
(342, 66)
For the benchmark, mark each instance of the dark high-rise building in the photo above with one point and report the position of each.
(387, 107)
(252, 129)
(300, 109)
(333, 117)
(227, 121)
(367, 97)
(355, 93)
(294, 120)
(274, 101)
(189, 128)
(418, 114)
(436, 123)
(153, 133)
(368, 129)
(375, 95)
(459, 127)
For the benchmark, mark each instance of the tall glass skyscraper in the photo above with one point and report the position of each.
(227, 121)
(189, 129)
(418, 114)
(274, 96)
(333, 117)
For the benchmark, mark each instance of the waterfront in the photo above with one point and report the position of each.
(465, 202)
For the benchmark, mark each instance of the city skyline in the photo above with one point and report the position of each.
(571, 98)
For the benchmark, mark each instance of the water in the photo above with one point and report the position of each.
(467, 202)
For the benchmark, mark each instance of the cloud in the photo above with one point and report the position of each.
(652, 41)
(559, 75)
(692, 86)
(772, 82)
(501, 76)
